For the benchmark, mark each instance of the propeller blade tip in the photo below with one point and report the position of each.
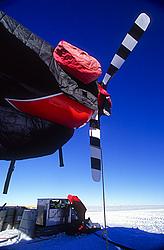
(96, 175)
(143, 21)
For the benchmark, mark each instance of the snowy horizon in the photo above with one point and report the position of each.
(94, 208)
(98, 208)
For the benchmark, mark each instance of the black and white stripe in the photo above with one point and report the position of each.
(127, 45)
(95, 148)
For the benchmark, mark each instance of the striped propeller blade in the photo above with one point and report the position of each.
(128, 44)
(95, 148)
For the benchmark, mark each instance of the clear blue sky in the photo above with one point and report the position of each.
(133, 137)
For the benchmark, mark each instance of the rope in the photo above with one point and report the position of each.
(105, 232)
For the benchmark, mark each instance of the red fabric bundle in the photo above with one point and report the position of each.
(73, 198)
(77, 62)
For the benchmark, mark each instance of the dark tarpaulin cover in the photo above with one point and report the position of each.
(23, 136)
(29, 70)
(27, 61)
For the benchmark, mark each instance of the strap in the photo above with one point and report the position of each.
(61, 162)
(3, 206)
(8, 178)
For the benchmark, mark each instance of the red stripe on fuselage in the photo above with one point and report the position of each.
(56, 108)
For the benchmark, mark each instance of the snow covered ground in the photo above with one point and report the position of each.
(149, 220)
(140, 229)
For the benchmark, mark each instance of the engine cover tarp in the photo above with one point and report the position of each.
(28, 67)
